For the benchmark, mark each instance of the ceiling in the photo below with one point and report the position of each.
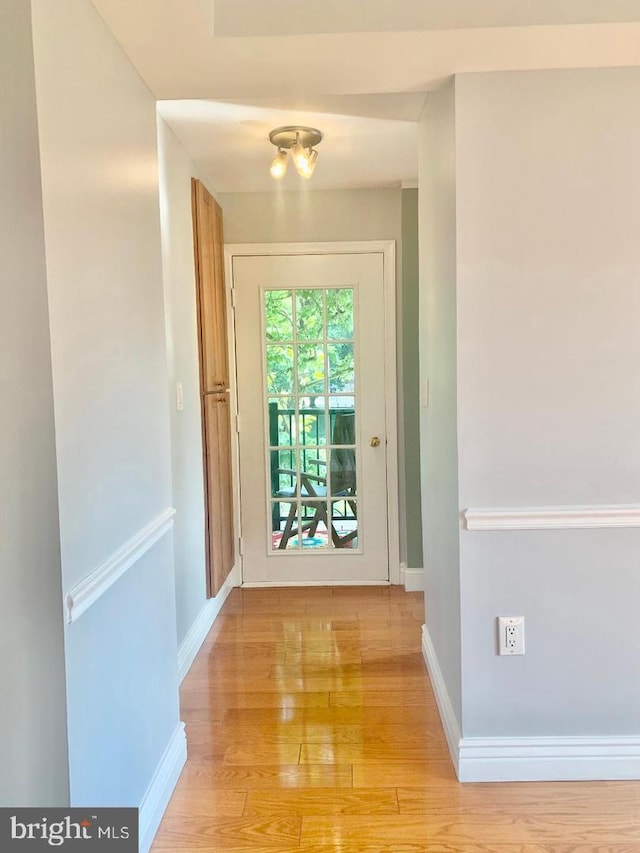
(293, 17)
(230, 142)
(358, 69)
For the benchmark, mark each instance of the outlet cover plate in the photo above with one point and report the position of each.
(510, 635)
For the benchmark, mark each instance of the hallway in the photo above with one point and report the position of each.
(312, 727)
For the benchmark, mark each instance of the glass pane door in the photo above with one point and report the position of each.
(310, 392)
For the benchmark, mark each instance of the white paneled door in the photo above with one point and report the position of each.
(310, 338)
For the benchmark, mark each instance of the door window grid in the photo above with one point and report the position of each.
(310, 484)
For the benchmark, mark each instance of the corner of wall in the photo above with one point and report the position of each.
(438, 373)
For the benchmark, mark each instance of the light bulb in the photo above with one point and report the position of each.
(299, 154)
(279, 165)
(307, 169)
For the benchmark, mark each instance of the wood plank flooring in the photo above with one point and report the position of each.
(312, 728)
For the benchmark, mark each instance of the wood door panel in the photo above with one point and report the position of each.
(217, 422)
(214, 384)
(212, 307)
(222, 350)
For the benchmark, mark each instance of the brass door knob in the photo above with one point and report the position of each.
(375, 441)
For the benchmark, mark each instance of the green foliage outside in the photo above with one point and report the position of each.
(312, 307)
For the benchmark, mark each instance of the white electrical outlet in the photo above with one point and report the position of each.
(510, 635)
(179, 397)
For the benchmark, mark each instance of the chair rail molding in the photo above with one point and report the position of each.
(89, 589)
(553, 517)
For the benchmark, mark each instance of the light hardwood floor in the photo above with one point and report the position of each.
(312, 727)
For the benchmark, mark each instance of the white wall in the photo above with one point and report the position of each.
(548, 206)
(312, 216)
(438, 365)
(548, 200)
(100, 187)
(33, 740)
(101, 214)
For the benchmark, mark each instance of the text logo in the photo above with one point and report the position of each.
(30, 829)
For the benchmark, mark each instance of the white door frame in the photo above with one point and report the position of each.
(387, 248)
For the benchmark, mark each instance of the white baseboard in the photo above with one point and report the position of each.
(529, 759)
(196, 635)
(447, 714)
(411, 579)
(159, 792)
(548, 759)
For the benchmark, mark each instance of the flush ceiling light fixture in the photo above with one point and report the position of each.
(299, 141)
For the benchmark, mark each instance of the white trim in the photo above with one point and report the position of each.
(529, 759)
(447, 715)
(414, 580)
(265, 584)
(542, 759)
(233, 402)
(553, 517)
(365, 247)
(391, 394)
(158, 794)
(411, 579)
(89, 589)
(388, 249)
(197, 634)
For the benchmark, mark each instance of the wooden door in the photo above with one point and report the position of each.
(214, 385)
